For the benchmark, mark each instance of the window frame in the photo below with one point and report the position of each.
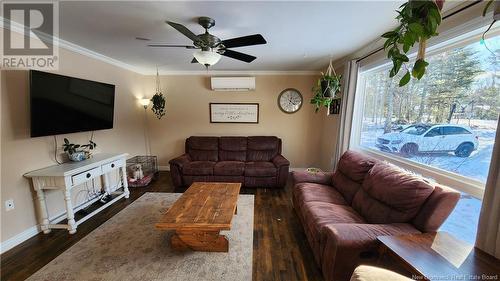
(453, 180)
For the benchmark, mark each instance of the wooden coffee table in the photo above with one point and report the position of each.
(200, 214)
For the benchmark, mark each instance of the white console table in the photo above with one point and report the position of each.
(70, 174)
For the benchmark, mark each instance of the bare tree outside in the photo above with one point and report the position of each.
(446, 120)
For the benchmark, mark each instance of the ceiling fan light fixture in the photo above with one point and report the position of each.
(207, 57)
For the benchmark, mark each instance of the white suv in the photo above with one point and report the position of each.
(430, 138)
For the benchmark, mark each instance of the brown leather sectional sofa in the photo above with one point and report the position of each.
(343, 212)
(252, 161)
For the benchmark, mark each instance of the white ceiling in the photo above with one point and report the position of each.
(301, 36)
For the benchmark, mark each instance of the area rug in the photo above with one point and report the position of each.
(128, 247)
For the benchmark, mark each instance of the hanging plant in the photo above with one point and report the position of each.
(326, 89)
(158, 100)
(418, 21)
(158, 107)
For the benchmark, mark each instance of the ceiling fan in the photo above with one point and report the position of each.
(210, 47)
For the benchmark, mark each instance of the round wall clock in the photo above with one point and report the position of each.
(290, 100)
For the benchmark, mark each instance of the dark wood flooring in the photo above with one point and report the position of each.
(280, 249)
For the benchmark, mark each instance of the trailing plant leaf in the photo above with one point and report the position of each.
(419, 20)
(406, 78)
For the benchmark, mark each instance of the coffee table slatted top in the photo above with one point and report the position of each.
(204, 206)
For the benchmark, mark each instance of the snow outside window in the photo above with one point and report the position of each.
(446, 121)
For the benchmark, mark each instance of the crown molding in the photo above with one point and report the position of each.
(236, 72)
(58, 42)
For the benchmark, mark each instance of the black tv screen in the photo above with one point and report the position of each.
(62, 104)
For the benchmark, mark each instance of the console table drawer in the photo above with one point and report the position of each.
(113, 165)
(85, 176)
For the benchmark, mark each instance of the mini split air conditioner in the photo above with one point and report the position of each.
(238, 84)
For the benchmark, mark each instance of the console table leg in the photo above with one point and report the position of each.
(43, 211)
(69, 212)
(125, 182)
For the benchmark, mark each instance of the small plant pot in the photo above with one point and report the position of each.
(78, 156)
(326, 89)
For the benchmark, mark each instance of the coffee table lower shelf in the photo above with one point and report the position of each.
(206, 241)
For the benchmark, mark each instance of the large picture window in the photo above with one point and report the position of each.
(446, 121)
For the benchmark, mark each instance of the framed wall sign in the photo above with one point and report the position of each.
(234, 113)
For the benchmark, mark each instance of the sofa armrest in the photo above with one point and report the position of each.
(319, 178)
(283, 166)
(280, 161)
(436, 209)
(345, 246)
(180, 161)
(176, 165)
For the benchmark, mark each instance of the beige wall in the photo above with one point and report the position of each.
(187, 114)
(21, 154)
(188, 99)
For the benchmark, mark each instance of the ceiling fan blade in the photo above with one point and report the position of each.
(238, 56)
(249, 40)
(184, 30)
(194, 60)
(142, 39)
(173, 46)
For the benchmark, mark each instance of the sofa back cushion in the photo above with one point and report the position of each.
(263, 148)
(203, 148)
(233, 149)
(390, 195)
(351, 171)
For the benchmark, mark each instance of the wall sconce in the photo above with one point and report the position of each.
(144, 102)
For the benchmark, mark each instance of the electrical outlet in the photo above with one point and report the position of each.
(9, 204)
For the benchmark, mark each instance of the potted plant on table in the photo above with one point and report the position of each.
(78, 152)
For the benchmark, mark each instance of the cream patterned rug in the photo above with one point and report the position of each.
(128, 247)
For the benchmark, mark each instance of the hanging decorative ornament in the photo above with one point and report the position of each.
(158, 99)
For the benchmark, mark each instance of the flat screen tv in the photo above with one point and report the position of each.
(62, 104)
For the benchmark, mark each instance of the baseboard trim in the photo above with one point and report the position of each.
(164, 168)
(34, 230)
(18, 239)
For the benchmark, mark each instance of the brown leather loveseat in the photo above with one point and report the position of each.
(252, 161)
(342, 213)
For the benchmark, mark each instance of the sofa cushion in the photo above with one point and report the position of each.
(263, 148)
(316, 215)
(232, 149)
(307, 192)
(320, 213)
(229, 168)
(199, 168)
(260, 169)
(390, 195)
(203, 148)
(351, 170)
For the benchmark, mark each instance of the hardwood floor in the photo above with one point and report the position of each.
(280, 249)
